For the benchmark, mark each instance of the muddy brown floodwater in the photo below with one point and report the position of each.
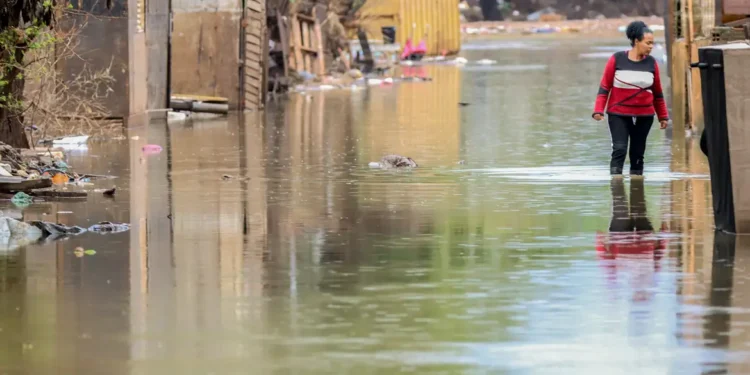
(309, 262)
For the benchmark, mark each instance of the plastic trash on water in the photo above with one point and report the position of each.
(52, 231)
(5, 170)
(61, 165)
(71, 140)
(152, 149)
(15, 234)
(106, 227)
(22, 199)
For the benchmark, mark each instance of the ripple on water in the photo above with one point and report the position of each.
(503, 68)
(575, 174)
(502, 45)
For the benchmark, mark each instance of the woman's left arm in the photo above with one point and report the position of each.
(659, 103)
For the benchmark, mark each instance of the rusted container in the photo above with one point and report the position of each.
(435, 21)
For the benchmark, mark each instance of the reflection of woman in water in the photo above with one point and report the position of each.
(631, 240)
(630, 230)
(630, 93)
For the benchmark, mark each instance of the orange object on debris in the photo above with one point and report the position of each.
(60, 179)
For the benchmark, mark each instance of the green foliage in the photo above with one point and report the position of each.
(15, 44)
(17, 39)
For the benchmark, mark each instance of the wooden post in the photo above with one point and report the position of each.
(737, 86)
(320, 58)
(690, 40)
(255, 55)
(306, 43)
(297, 43)
(671, 35)
(284, 34)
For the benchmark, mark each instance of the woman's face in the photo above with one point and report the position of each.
(643, 47)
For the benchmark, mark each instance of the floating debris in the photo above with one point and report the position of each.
(15, 233)
(394, 161)
(151, 149)
(110, 192)
(106, 227)
(22, 199)
(56, 231)
(72, 140)
(80, 252)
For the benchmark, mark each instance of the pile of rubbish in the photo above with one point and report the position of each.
(25, 174)
(15, 234)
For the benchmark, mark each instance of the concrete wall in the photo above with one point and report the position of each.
(205, 48)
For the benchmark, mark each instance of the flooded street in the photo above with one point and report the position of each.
(494, 256)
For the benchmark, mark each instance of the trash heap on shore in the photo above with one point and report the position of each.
(26, 175)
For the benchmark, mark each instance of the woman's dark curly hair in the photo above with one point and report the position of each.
(636, 30)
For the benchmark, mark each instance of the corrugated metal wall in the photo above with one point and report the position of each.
(437, 20)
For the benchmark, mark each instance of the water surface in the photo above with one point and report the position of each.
(489, 258)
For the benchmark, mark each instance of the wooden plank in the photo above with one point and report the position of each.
(255, 6)
(320, 57)
(253, 73)
(254, 76)
(256, 54)
(216, 70)
(252, 39)
(14, 184)
(307, 49)
(305, 18)
(264, 67)
(284, 33)
(252, 82)
(252, 96)
(253, 99)
(249, 56)
(306, 45)
(737, 79)
(297, 41)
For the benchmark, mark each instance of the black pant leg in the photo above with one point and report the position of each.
(618, 129)
(638, 135)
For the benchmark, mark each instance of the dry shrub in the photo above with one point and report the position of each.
(59, 105)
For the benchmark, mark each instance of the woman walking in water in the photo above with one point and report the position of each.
(630, 93)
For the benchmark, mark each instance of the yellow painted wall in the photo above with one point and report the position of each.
(438, 20)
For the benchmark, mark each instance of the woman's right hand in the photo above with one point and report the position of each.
(598, 117)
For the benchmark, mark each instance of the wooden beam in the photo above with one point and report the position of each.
(320, 57)
(305, 44)
(296, 43)
(690, 37)
(284, 34)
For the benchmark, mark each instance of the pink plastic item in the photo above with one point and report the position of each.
(408, 49)
(151, 149)
(421, 48)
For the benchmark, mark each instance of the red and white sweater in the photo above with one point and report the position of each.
(632, 87)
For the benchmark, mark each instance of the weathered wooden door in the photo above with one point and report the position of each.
(256, 55)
